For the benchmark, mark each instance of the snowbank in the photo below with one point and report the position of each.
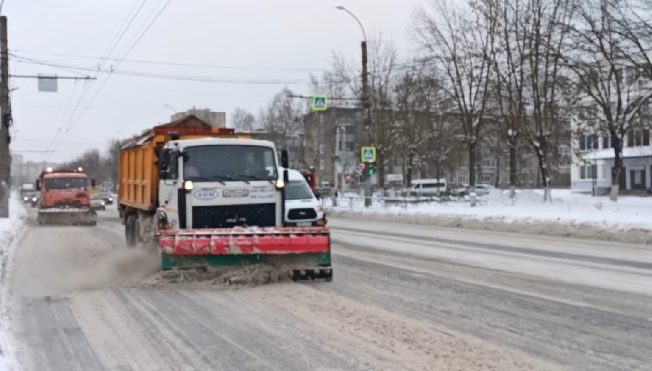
(569, 214)
(10, 229)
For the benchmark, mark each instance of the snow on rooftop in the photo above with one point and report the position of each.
(628, 152)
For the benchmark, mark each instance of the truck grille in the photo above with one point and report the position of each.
(300, 214)
(68, 203)
(261, 215)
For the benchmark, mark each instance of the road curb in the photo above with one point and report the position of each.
(532, 226)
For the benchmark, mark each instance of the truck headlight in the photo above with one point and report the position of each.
(187, 185)
(318, 210)
(280, 184)
(34, 199)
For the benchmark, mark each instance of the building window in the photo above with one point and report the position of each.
(638, 138)
(462, 178)
(321, 164)
(589, 172)
(488, 163)
(521, 178)
(485, 179)
(638, 177)
(451, 178)
(589, 142)
(606, 142)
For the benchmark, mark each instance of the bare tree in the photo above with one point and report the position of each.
(610, 97)
(549, 92)
(282, 118)
(91, 162)
(510, 80)
(458, 41)
(111, 162)
(243, 120)
(414, 105)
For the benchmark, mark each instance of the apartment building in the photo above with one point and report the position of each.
(592, 168)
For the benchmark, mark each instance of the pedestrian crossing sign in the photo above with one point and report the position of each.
(319, 103)
(368, 154)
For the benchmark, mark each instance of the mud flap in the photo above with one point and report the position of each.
(304, 251)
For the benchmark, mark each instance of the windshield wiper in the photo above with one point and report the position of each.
(217, 178)
(253, 177)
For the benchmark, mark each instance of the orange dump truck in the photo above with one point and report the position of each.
(65, 197)
(206, 196)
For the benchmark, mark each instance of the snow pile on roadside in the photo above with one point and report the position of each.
(10, 229)
(569, 214)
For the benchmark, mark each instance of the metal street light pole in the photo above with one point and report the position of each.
(366, 104)
(170, 107)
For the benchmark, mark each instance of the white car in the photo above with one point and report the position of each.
(302, 208)
(480, 190)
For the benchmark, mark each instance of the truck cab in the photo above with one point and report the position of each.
(65, 197)
(220, 183)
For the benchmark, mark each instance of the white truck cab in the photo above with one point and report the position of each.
(302, 209)
(220, 183)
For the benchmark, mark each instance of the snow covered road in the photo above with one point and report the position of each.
(403, 298)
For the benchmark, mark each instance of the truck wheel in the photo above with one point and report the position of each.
(131, 232)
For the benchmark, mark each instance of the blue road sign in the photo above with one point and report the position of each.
(368, 154)
(319, 103)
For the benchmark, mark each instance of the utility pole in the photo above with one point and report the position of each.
(5, 121)
(366, 107)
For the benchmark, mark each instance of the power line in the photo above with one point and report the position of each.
(181, 64)
(73, 123)
(116, 39)
(166, 76)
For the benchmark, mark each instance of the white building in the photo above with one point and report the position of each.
(593, 154)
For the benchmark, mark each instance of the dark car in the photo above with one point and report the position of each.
(106, 197)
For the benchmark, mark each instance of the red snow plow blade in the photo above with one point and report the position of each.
(305, 250)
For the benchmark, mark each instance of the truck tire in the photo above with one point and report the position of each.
(131, 233)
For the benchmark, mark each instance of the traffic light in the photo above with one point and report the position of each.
(372, 169)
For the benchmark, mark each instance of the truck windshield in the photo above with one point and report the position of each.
(65, 183)
(298, 190)
(229, 163)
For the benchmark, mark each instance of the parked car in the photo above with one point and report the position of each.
(480, 190)
(97, 202)
(428, 187)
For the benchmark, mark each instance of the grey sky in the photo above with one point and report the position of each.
(296, 34)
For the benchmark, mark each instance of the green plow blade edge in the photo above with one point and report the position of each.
(290, 260)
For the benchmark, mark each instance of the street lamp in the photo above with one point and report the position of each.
(366, 104)
(170, 107)
(364, 34)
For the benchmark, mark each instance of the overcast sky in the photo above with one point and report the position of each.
(263, 35)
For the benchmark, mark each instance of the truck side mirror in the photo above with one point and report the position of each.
(284, 159)
(92, 183)
(164, 162)
(38, 185)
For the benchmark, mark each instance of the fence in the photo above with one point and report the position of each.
(379, 201)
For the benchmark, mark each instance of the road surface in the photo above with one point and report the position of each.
(403, 298)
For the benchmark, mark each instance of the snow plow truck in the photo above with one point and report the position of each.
(65, 197)
(208, 197)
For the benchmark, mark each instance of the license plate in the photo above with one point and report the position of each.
(235, 193)
(304, 224)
